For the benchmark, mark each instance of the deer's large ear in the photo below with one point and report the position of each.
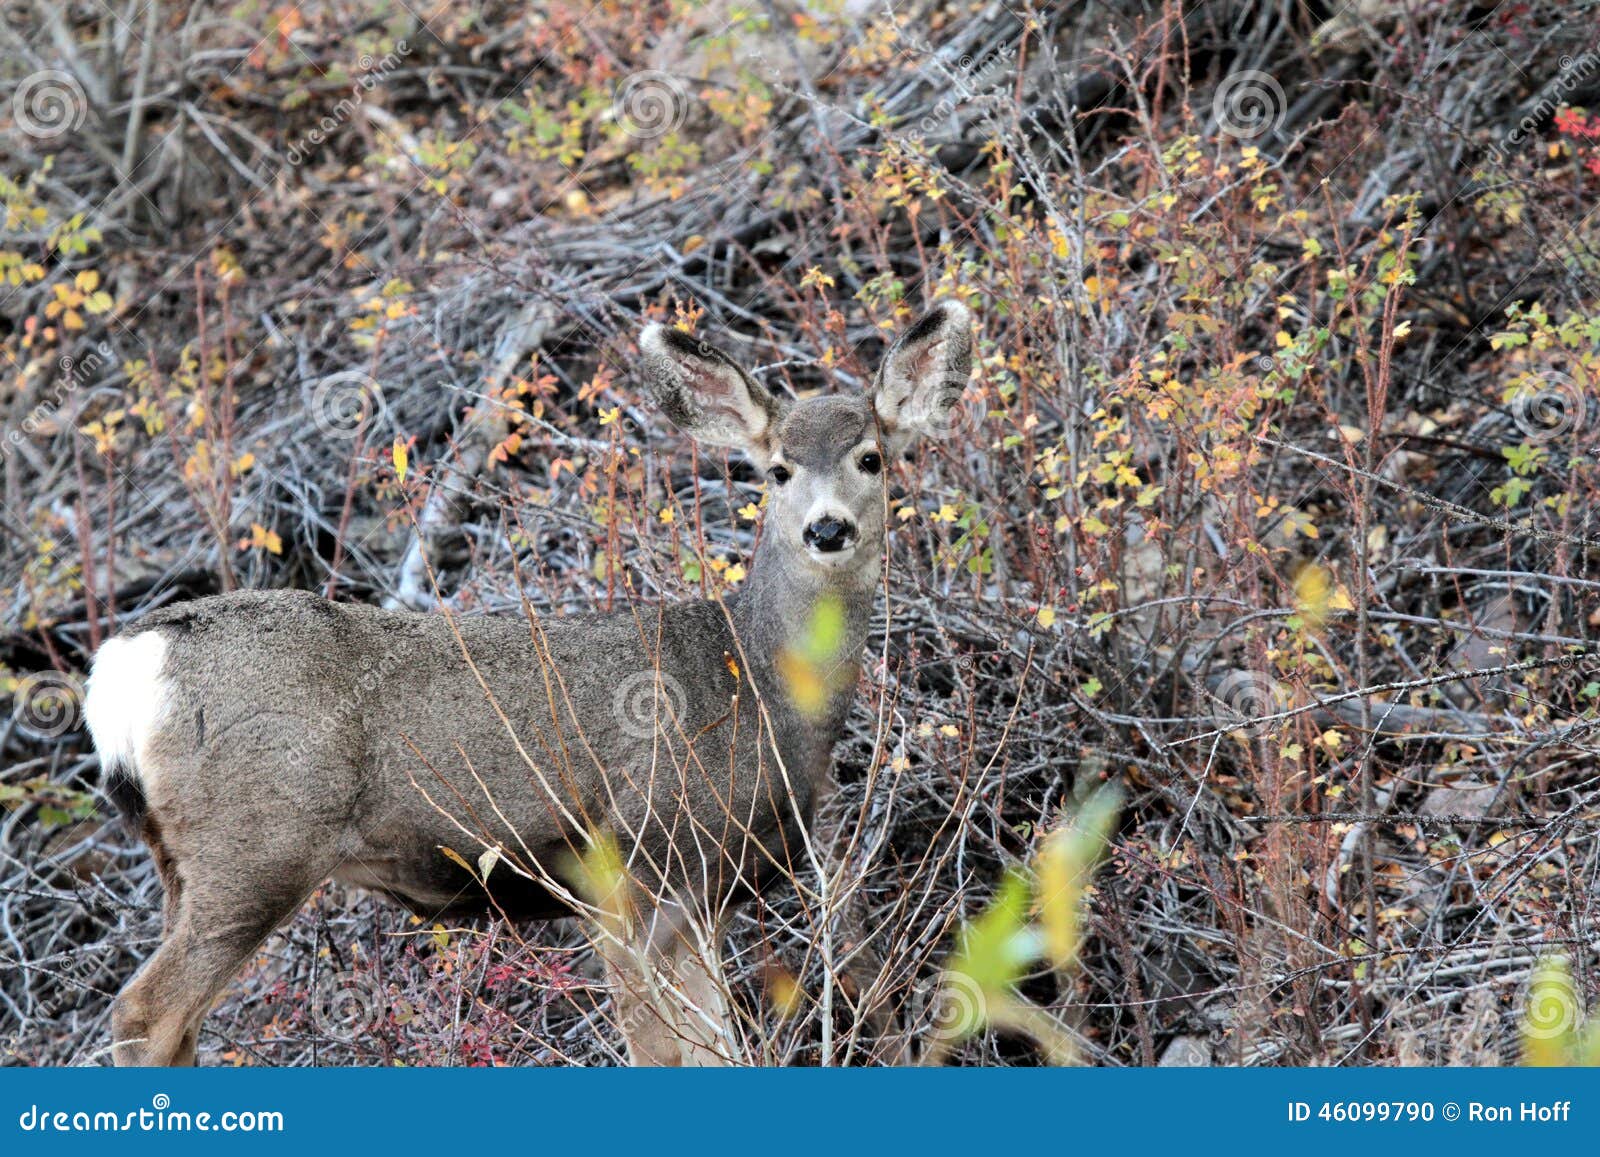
(923, 375)
(706, 395)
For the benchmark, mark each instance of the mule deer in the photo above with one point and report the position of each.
(263, 743)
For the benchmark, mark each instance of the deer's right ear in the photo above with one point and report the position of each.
(706, 395)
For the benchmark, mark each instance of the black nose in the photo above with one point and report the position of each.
(829, 534)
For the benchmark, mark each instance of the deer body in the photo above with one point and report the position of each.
(266, 742)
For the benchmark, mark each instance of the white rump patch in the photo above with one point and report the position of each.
(125, 699)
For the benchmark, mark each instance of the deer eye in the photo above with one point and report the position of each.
(780, 474)
(871, 462)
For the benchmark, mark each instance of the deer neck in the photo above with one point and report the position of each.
(802, 629)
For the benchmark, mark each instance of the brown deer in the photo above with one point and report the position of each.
(263, 743)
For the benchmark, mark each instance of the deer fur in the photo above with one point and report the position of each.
(263, 743)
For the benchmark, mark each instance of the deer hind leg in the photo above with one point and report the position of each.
(217, 914)
(671, 997)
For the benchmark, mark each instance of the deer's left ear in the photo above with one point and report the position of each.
(923, 375)
(706, 395)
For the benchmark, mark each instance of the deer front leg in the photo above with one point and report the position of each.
(671, 998)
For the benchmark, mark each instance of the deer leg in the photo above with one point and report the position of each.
(644, 1026)
(671, 998)
(707, 1036)
(213, 926)
(156, 1017)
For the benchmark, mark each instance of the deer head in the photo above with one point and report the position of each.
(825, 457)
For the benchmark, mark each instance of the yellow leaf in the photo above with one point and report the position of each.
(784, 994)
(401, 458)
(487, 861)
(1063, 869)
(262, 539)
(1313, 585)
(1047, 617)
(803, 682)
